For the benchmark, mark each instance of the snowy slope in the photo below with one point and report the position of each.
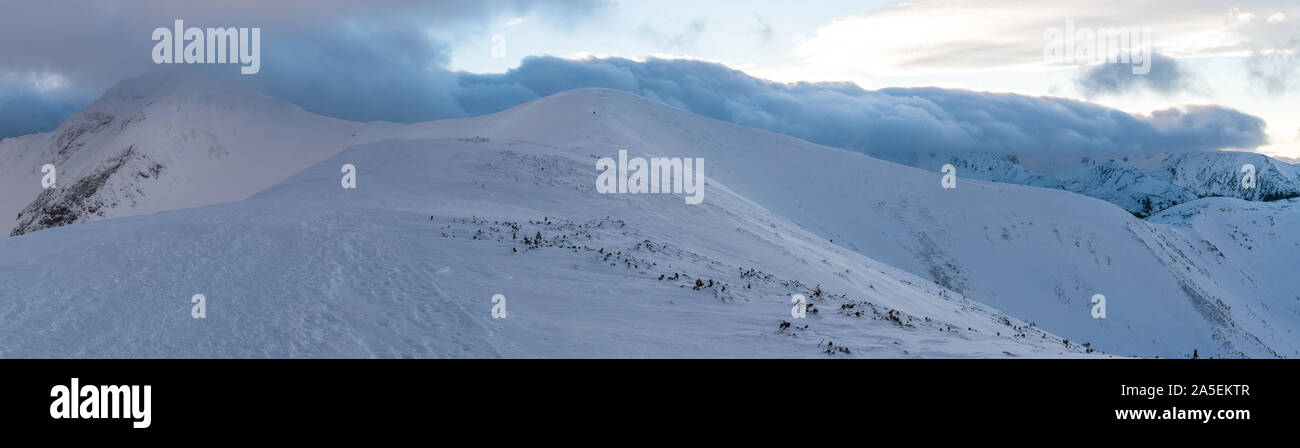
(1218, 174)
(20, 175)
(989, 167)
(1247, 249)
(307, 268)
(116, 161)
(170, 139)
(1131, 188)
(405, 265)
(1143, 186)
(1035, 253)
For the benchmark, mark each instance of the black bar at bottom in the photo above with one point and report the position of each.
(419, 396)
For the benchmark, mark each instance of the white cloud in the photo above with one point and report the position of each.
(47, 81)
(1241, 17)
(920, 35)
(1277, 18)
(936, 37)
(515, 21)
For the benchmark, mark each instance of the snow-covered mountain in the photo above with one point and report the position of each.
(446, 214)
(20, 175)
(1131, 188)
(406, 264)
(166, 140)
(1245, 250)
(1038, 254)
(1219, 174)
(1143, 187)
(1134, 190)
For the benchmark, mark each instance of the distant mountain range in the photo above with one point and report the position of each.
(1142, 187)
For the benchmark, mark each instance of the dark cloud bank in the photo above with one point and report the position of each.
(1166, 76)
(316, 50)
(892, 123)
(394, 72)
(24, 110)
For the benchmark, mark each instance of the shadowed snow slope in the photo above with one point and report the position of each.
(446, 215)
(1038, 254)
(167, 140)
(406, 264)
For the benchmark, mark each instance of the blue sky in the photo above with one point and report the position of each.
(405, 60)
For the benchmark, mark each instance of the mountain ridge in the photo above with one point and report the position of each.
(814, 218)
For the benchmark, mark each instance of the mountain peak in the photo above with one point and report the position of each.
(174, 85)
